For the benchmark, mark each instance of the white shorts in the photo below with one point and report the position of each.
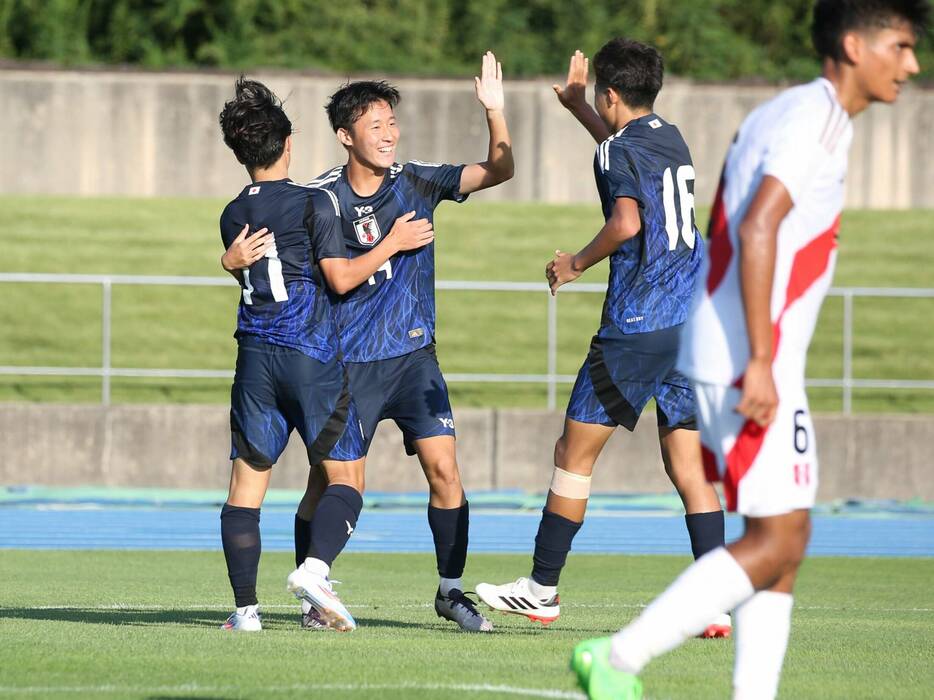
(765, 471)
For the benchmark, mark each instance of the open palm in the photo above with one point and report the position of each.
(490, 83)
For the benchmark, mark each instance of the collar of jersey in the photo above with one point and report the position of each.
(832, 91)
(386, 179)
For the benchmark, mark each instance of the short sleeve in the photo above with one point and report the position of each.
(230, 229)
(800, 146)
(619, 171)
(322, 221)
(438, 182)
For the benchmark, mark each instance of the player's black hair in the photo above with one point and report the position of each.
(633, 69)
(834, 18)
(349, 103)
(255, 125)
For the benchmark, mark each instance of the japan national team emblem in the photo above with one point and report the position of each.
(367, 230)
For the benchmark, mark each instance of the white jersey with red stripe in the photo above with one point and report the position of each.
(801, 137)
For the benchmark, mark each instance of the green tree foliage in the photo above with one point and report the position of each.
(702, 39)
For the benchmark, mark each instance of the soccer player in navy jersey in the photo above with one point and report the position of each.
(387, 324)
(288, 371)
(645, 180)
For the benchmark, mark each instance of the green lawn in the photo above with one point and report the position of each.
(160, 327)
(145, 625)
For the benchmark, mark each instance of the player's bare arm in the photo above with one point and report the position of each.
(757, 234)
(499, 165)
(573, 96)
(623, 224)
(245, 250)
(407, 233)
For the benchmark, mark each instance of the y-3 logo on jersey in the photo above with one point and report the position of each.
(447, 423)
(367, 230)
(363, 210)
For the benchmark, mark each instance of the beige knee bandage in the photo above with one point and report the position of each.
(564, 483)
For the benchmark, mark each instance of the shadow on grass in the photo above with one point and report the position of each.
(143, 617)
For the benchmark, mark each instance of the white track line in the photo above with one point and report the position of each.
(484, 688)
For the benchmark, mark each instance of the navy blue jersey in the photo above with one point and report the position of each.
(652, 274)
(284, 301)
(393, 313)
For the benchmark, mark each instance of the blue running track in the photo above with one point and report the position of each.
(108, 526)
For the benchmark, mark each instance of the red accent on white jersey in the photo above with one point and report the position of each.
(740, 459)
(801, 137)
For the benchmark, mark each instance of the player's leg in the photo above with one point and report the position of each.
(318, 402)
(679, 437)
(314, 489)
(536, 597)
(762, 474)
(681, 454)
(366, 391)
(763, 622)
(259, 433)
(417, 400)
(449, 520)
(333, 522)
(240, 536)
(587, 427)
(772, 549)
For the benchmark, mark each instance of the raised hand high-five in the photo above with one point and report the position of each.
(499, 165)
(490, 84)
(574, 93)
(573, 96)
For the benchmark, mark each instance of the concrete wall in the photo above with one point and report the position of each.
(152, 134)
(187, 447)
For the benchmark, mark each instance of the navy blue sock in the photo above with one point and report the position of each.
(334, 520)
(552, 544)
(706, 531)
(449, 527)
(240, 535)
(302, 539)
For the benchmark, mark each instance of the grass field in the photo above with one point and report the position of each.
(144, 625)
(160, 327)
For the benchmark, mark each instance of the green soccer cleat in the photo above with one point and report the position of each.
(590, 660)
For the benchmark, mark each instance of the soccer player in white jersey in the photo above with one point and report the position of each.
(772, 252)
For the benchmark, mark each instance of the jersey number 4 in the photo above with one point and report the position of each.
(685, 227)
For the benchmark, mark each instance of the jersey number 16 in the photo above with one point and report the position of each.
(684, 175)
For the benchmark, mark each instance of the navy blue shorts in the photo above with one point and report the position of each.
(277, 389)
(623, 371)
(408, 389)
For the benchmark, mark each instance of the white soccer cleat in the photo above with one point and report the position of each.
(516, 599)
(720, 628)
(316, 589)
(245, 619)
(311, 618)
(457, 607)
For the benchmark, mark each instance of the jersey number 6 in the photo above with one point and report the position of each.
(684, 175)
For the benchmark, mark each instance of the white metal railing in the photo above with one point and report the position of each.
(551, 378)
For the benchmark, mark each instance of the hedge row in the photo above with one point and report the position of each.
(703, 39)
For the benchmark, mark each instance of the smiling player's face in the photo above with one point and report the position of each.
(375, 135)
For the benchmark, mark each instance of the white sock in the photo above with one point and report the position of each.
(762, 625)
(712, 585)
(316, 566)
(542, 592)
(448, 584)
